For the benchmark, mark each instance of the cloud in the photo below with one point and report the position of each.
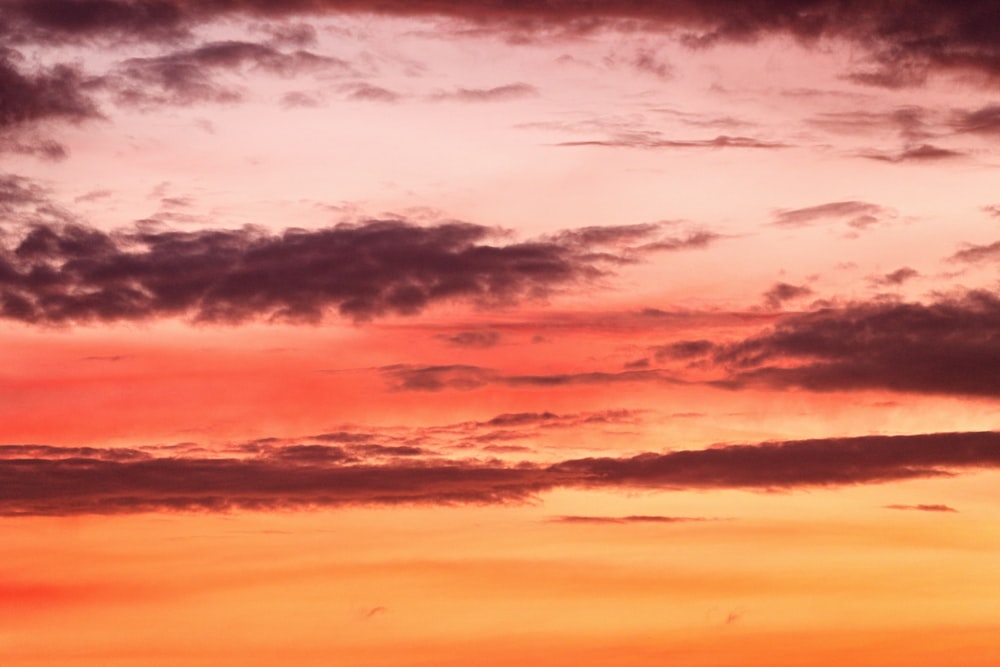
(857, 214)
(437, 378)
(895, 278)
(28, 98)
(185, 77)
(923, 508)
(510, 91)
(46, 480)
(636, 518)
(81, 20)
(369, 93)
(473, 339)
(656, 140)
(405, 377)
(904, 42)
(779, 293)
(687, 349)
(946, 347)
(920, 153)
(60, 273)
(985, 120)
(977, 253)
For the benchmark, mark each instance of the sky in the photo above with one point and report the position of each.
(491, 332)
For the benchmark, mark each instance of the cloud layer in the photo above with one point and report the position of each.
(61, 481)
(62, 273)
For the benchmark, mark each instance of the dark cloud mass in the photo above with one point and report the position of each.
(184, 77)
(951, 346)
(779, 293)
(29, 97)
(46, 480)
(904, 39)
(61, 273)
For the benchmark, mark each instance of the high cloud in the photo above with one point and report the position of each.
(37, 480)
(53, 273)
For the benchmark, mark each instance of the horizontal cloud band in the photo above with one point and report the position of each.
(38, 480)
(60, 273)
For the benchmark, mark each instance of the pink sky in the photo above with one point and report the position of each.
(476, 333)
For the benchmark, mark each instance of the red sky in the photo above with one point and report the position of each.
(451, 333)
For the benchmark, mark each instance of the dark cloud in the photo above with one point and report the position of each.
(857, 214)
(949, 346)
(45, 480)
(185, 77)
(510, 91)
(981, 121)
(920, 153)
(404, 377)
(687, 349)
(39, 95)
(437, 378)
(522, 418)
(776, 465)
(904, 40)
(473, 339)
(993, 210)
(76, 20)
(897, 277)
(923, 508)
(63, 273)
(779, 293)
(977, 253)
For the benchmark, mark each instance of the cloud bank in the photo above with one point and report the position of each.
(46, 480)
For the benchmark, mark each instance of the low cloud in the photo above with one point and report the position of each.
(779, 293)
(186, 77)
(66, 272)
(473, 339)
(895, 278)
(406, 377)
(949, 346)
(510, 91)
(923, 508)
(856, 214)
(48, 480)
(635, 518)
(654, 140)
(977, 253)
(920, 153)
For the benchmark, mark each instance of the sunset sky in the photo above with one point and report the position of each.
(485, 332)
